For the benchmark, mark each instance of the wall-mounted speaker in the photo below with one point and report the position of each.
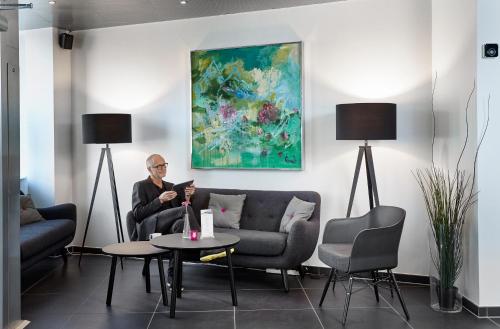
(490, 50)
(65, 41)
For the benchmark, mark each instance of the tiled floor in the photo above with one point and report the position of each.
(57, 296)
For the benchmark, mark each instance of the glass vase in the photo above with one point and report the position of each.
(444, 295)
(186, 230)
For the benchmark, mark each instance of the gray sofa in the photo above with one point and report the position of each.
(48, 237)
(262, 245)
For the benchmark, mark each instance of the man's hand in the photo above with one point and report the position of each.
(189, 191)
(167, 196)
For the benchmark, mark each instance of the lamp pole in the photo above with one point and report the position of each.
(105, 152)
(366, 152)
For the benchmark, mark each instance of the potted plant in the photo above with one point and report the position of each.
(448, 194)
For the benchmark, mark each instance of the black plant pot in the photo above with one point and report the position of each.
(447, 297)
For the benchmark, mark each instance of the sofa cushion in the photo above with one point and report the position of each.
(38, 236)
(296, 210)
(28, 212)
(226, 209)
(257, 243)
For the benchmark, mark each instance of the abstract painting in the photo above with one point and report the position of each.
(247, 107)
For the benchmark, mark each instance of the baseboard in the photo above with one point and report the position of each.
(480, 311)
(84, 250)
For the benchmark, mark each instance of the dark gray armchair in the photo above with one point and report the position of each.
(363, 244)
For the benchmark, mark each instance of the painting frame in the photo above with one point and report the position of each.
(296, 166)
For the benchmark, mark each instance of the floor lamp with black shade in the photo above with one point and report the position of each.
(106, 128)
(366, 121)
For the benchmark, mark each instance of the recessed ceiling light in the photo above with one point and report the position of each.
(52, 2)
(183, 2)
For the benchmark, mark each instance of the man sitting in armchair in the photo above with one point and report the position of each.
(156, 207)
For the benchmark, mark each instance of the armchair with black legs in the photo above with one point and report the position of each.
(368, 243)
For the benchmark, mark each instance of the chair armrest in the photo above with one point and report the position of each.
(301, 241)
(177, 226)
(61, 211)
(344, 230)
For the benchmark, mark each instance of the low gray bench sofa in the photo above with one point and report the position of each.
(49, 236)
(262, 246)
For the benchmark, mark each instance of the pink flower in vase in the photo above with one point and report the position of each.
(222, 210)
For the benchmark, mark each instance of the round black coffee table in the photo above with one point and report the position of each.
(141, 249)
(177, 244)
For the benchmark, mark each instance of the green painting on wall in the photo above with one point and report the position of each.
(247, 107)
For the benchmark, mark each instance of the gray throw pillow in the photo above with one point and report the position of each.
(227, 209)
(296, 210)
(29, 214)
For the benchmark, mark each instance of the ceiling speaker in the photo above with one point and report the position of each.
(66, 41)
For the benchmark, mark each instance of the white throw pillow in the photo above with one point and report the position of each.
(226, 209)
(296, 210)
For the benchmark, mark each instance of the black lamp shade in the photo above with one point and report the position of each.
(106, 128)
(366, 121)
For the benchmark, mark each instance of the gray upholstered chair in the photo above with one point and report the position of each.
(363, 244)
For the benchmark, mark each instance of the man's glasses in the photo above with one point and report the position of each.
(161, 166)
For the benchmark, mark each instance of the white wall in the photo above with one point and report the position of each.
(459, 30)
(488, 72)
(350, 55)
(63, 137)
(45, 115)
(36, 113)
(453, 60)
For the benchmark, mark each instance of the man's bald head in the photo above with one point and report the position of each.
(157, 166)
(153, 160)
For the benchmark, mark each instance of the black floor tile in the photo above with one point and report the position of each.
(122, 302)
(131, 282)
(72, 296)
(210, 277)
(109, 321)
(277, 319)
(46, 321)
(91, 265)
(363, 296)
(64, 282)
(272, 300)
(425, 317)
(213, 300)
(194, 320)
(257, 279)
(363, 318)
(35, 273)
(40, 304)
(412, 295)
(309, 283)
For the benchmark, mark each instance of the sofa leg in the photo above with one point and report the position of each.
(301, 271)
(64, 255)
(284, 276)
